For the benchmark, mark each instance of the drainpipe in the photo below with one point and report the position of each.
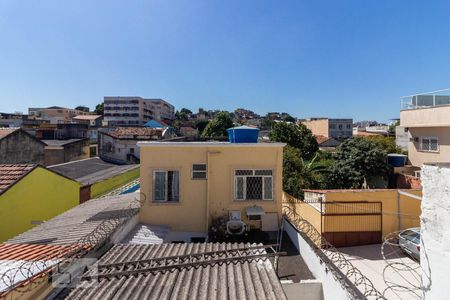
(399, 216)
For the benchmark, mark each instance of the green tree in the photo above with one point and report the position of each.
(297, 136)
(219, 125)
(356, 160)
(386, 143)
(201, 125)
(99, 109)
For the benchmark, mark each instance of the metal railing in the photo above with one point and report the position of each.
(425, 100)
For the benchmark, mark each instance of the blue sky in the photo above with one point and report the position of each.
(308, 58)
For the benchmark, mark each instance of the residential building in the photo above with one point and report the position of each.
(62, 151)
(94, 122)
(30, 194)
(334, 128)
(96, 177)
(401, 137)
(188, 131)
(136, 111)
(62, 131)
(426, 117)
(118, 145)
(19, 147)
(360, 216)
(11, 120)
(326, 142)
(187, 186)
(55, 114)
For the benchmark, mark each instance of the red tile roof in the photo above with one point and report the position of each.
(32, 252)
(5, 131)
(136, 133)
(10, 174)
(321, 139)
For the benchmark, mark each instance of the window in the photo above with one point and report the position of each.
(340, 126)
(132, 150)
(253, 185)
(349, 126)
(430, 144)
(199, 171)
(166, 186)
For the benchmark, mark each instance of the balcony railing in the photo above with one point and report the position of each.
(425, 100)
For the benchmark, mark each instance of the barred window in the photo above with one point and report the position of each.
(199, 171)
(430, 144)
(253, 184)
(166, 186)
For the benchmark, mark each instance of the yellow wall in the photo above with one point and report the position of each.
(39, 196)
(409, 207)
(193, 210)
(106, 186)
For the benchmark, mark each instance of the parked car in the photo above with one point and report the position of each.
(409, 242)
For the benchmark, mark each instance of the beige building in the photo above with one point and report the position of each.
(136, 111)
(330, 128)
(56, 114)
(189, 186)
(426, 117)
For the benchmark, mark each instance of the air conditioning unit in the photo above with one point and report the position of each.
(414, 139)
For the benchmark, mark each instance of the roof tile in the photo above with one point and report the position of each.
(10, 174)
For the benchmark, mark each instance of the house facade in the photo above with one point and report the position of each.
(19, 147)
(187, 185)
(426, 118)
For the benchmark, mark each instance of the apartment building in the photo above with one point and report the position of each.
(188, 186)
(55, 114)
(426, 118)
(331, 128)
(136, 111)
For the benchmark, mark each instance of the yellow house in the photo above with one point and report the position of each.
(188, 185)
(359, 216)
(30, 194)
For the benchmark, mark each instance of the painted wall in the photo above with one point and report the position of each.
(418, 157)
(202, 200)
(435, 233)
(409, 209)
(318, 127)
(425, 117)
(105, 186)
(39, 196)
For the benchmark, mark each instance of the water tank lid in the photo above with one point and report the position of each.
(243, 127)
(396, 155)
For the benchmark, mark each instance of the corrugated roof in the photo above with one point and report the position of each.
(83, 223)
(146, 234)
(88, 171)
(237, 280)
(11, 174)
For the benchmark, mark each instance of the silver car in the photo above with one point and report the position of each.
(409, 242)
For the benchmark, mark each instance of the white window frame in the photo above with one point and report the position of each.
(206, 171)
(429, 138)
(166, 196)
(244, 188)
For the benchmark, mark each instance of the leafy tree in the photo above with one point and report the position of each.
(201, 125)
(356, 160)
(297, 136)
(99, 109)
(393, 125)
(186, 111)
(219, 125)
(386, 143)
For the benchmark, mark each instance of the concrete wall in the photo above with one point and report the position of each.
(21, 148)
(318, 127)
(394, 217)
(332, 289)
(435, 233)
(426, 117)
(419, 157)
(202, 200)
(401, 137)
(115, 149)
(66, 153)
(39, 196)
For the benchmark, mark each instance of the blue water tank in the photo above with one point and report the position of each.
(243, 134)
(396, 160)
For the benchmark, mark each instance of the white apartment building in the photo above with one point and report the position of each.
(136, 111)
(426, 118)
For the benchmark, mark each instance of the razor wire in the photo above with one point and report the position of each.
(351, 278)
(23, 278)
(402, 274)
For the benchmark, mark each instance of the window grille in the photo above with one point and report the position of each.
(199, 171)
(166, 186)
(430, 144)
(253, 184)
